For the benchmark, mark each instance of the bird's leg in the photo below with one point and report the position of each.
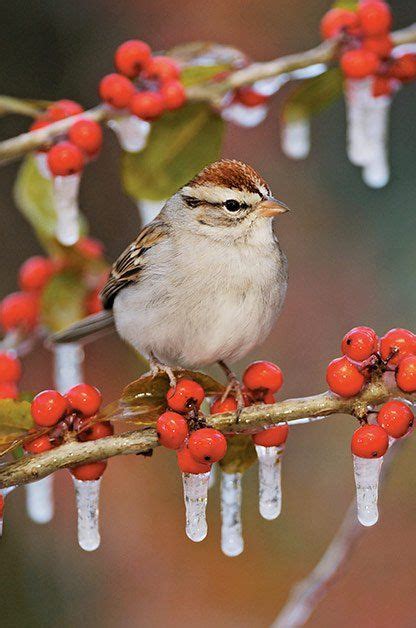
(233, 386)
(157, 367)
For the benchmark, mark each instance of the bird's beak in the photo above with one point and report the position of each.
(271, 207)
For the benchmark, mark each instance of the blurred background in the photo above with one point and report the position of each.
(351, 258)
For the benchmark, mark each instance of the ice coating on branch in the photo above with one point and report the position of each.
(296, 138)
(42, 164)
(212, 476)
(39, 500)
(366, 475)
(269, 86)
(149, 209)
(195, 494)
(244, 116)
(270, 480)
(131, 131)
(232, 543)
(87, 495)
(65, 194)
(3, 494)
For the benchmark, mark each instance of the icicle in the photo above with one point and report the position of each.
(195, 491)
(269, 86)
(245, 116)
(149, 209)
(87, 494)
(295, 138)
(376, 171)
(366, 475)
(42, 164)
(270, 480)
(212, 476)
(357, 95)
(65, 191)
(131, 131)
(232, 543)
(39, 500)
(3, 494)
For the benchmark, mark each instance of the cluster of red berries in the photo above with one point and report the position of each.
(365, 354)
(145, 85)
(83, 142)
(367, 45)
(58, 416)
(10, 373)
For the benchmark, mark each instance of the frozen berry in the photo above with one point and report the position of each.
(369, 441)
(337, 20)
(64, 159)
(382, 86)
(19, 310)
(94, 431)
(84, 398)
(185, 395)
(131, 57)
(188, 464)
(63, 109)
(35, 273)
(38, 445)
(207, 445)
(272, 436)
(228, 405)
(381, 46)
(8, 390)
(268, 398)
(93, 302)
(374, 17)
(162, 68)
(10, 368)
(344, 378)
(264, 375)
(359, 63)
(87, 135)
(406, 374)
(404, 68)
(396, 418)
(48, 407)
(360, 343)
(116, 90)
(89, 472)
(91, 248)
(248, 97)
(39, 123)
(147, 105)
(172, 430)
(397, 344)
(173, 94)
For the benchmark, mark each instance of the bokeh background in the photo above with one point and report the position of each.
(352, 260)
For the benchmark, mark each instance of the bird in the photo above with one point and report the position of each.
(202, 283)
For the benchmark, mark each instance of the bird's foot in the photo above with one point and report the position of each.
(157, 367)
(233, 388)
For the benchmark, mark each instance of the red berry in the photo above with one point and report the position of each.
(64, 159)
(89, 472)
(382, 86)
(399, 343)
(10, 368)
(93, 303)
(359, 63)
(87, 135)
(173, 94)
(344, 378)
(272, 436)
(249, 97)
(63, 109)
(369, 441)
(184, 395)
(116, 90)
(188, 464)
(89, 248)
(8, 390)
(48, 407)
(396, 418)
(19, 310)
(35, 273)
(404, 68)
(360, 343)
(38, 445)
(337, 20)
(163, 69)
(269, 398)
(84, 398)
(381, 46)
(172, 430)
(95, 431)
(406, 374)
(39, 123)
(207, 445)
(147, 105)
(374, 16)
(263, 374)
(228, 405)
(131, 56)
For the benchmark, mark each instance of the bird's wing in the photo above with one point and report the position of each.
(128, 267)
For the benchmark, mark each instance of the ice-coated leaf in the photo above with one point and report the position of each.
(180, 144)
(195, 74)
(63, 301)
(313, 95)
(15, 421)
(240, 456)
(202, 61)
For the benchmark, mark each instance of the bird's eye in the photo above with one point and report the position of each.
(232, 205)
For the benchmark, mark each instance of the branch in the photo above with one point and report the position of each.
(211, 92)
(32, 468)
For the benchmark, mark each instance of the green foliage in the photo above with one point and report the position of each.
(240, 456)
(313, 95)
(180, 144)
(63, 301)
(15, 421)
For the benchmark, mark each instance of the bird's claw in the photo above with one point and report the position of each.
(234, 388)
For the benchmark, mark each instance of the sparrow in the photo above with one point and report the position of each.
(204, 281)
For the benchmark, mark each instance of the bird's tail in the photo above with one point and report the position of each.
(87, 328)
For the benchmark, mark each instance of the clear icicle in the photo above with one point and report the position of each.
(3, 494)
(244, 116)
(366, 475)
(212, 476)
(39, 500)
(149, 209)
(295, 138)
(131, 131)
(232, 543)
(65, 192)
(376, 171)
(42, 164)
(195, 492)
(87, 496)
(357, 96)
(270, 480)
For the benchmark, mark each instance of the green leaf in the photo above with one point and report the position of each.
(63, 301)
(313, 95)
(240, 456)
(195, 74)
(15, 421)
(180, 144)
(202, 61)
(345, 4)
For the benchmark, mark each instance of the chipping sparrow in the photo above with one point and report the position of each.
(204, 281)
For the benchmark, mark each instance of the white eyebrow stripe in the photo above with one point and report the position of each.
(218, 194)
